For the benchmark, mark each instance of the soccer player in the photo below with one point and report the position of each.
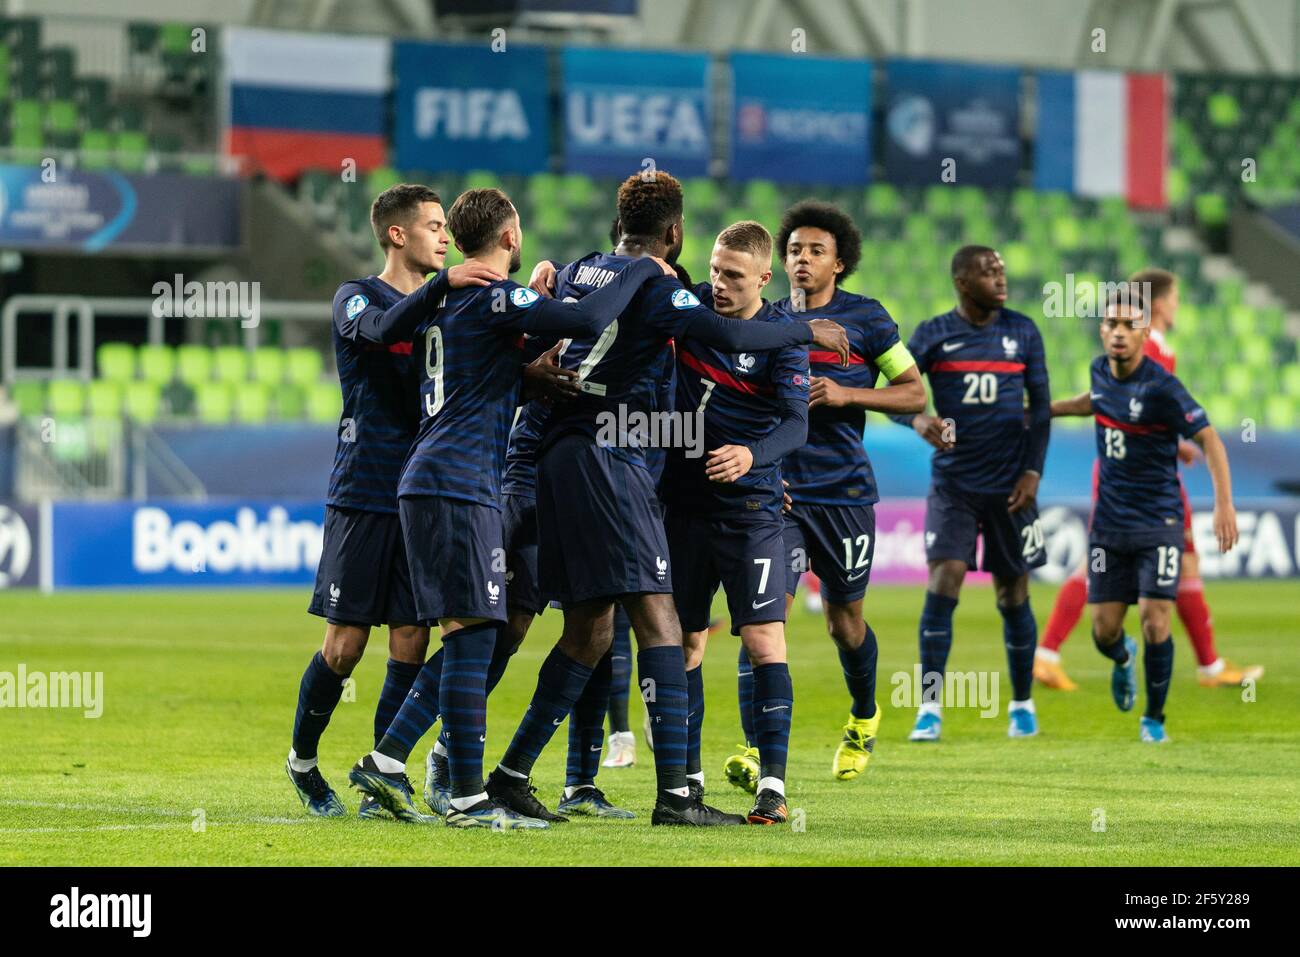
(832, 524)
(362, 579)
(723, 517)
(449, 492)
(600, 531)
(982, 360)
(1136, 535)
(1211, 669)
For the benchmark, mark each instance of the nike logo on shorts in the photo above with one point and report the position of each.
(853, 578)
(780, 707)
(757, 605)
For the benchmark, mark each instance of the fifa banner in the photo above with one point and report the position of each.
(950, 122)
(77, 210)
(626, 109)
(798, 119)
(300, 101)
(20, 546)
(193, 544)
(470, 108)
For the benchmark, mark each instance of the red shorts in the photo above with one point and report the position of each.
(1189, 542)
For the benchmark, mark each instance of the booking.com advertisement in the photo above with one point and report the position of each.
(264, 543)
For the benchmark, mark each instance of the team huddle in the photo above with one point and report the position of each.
(616, 441)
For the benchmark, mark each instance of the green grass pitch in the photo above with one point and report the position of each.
(199, 690)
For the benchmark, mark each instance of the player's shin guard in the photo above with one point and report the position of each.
(560, 683)
(621, 678)
(662, 670)
(1158, 665)
(462, 697)
(773, 704)
(1066, 611)
(587, 726)
(1020, 635)
(1195, 616)
(860, 674)
(936, 641)
(694, 719)
(745, 694)
(418, 713)
(318, 695)
(397, 682)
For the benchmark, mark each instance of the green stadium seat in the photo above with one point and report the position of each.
(883, 200)
(25, 115)
(579, 191)
(1223, 412)
(130, 148)
(105, 399)
(213, 402)
(290, 402)
(252, 402)
(29, 396)
(1229, 292)
(1211, 209)
(193, 364)
(1223, 110)
(304, 366)
(157, 363)
(96, 149)
(701, 195)
(381, 178)
(1238, 381)
(1280, 412)
(1291, 379)
(324, 403)
(61, 116)
(66, 398)
(116, 361)
(268, 364)
(231, 363)
(142, 401)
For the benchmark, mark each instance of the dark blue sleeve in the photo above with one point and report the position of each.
(528, 312)
(1039, 413)
(398, 322)
(790, 381)
(741, 335)
(1182, 413)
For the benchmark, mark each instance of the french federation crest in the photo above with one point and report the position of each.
(1009, 346)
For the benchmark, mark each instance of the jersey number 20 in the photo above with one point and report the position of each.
(981, 388)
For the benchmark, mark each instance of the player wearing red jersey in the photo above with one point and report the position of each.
(1212, 670)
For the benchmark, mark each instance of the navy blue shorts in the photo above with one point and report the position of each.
(457, 559)
(599, 524)
(746, 557)
(1125, 566)
(1013, 544)
(519, 517)
(362, 578)
(837, 542)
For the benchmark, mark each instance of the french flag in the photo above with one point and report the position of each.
(300, 101)
(1103, 134)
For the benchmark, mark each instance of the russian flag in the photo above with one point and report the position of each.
(306, 101)
(1103, 134)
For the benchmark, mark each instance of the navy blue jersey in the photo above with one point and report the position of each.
(978, 378)
(472, 351)
(620, 370)
(1138, 422)
(381, 401)
(832, 468)
(743, 397)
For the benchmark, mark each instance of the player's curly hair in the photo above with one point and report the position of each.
(397, 206)
(818, 215)
(649, 204)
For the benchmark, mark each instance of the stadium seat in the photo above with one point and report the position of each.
(231, 363)
(213, 402)
(268, 364)
(304, 366)
(116, 361)
(29, 396)
(157, 363)
(142, 401)
(105, 399)
(290, 403)
(66, 397)
(252, 402)
(324, 403)
(193, 364)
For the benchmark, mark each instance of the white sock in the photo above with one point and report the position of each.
(697, 776)
(386, 764)
(929, 707)
(571, 791)
(465, 803)
(772, 784)
(438, 748)
(513, 774)
(680, 792)
(1026, 705)
(300, 765)
(1047, 654)
(1211, 669)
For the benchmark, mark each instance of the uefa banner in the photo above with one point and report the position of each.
(193, 544)
(954, 118)
(78, 210)
(469, 108)
(799, 119)
(626, 109)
